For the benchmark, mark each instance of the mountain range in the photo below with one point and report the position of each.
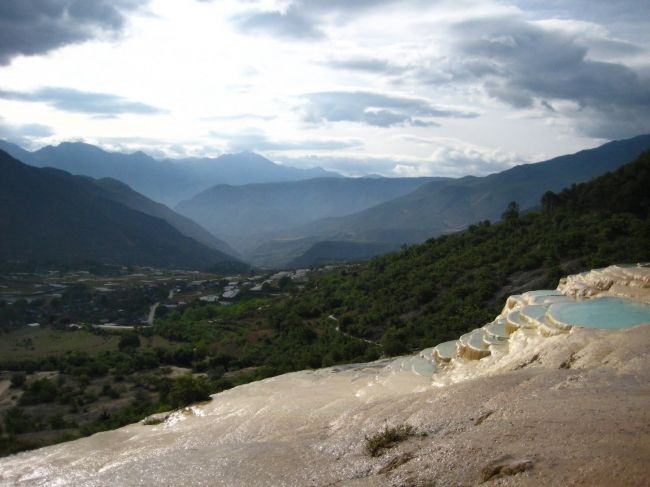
(248, 215)
(164, 180)
(52, 217)
(279, 222)
(445, 206)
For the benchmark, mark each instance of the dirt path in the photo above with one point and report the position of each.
(4, 386)
(152, 313)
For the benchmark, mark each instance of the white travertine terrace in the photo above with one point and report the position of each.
(544, 405)
(623, 281)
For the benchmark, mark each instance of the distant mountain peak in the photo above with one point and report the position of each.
(165, 180)
(247, 156)
(79, 145)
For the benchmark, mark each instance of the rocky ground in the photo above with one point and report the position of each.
(572, 409)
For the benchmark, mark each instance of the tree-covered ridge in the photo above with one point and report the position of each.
(435, 291)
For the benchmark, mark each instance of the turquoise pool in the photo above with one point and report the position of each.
(607, 313)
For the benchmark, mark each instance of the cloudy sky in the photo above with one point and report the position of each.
(397, 87)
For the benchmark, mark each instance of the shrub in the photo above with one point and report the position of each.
(186, 390)
(17, 379)
(40, 391)
(16, 421)
(128, 342)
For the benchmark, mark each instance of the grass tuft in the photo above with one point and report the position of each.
(388, 438)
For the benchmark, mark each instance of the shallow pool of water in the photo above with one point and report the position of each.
(607, 313)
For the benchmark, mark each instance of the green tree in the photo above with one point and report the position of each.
(511, 212)
(550, 201)
(128, 342)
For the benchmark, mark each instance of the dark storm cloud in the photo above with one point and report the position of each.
(70, 100)
(573, 70)
(524, 64)
(30, 27)
(374, 109)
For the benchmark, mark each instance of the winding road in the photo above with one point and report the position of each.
(152, 313)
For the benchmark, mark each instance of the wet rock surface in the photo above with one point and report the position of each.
(485, 422)
(504, 467)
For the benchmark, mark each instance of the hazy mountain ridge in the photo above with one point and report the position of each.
(122, 193)
(447, 206)
(326, 252)
(276, 224)
(48, 215)
(247, 215)
(163, 180)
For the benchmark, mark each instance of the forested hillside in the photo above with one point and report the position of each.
(436, 291)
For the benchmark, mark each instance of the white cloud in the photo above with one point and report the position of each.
(394, 87)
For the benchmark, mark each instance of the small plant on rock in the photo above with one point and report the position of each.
(387, 438)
